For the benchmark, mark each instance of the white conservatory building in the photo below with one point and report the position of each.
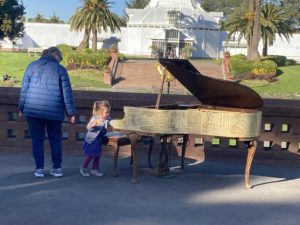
(165, 27)
(169, 27)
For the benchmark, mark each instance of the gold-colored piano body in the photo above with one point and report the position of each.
(243, 124)
(227, 109)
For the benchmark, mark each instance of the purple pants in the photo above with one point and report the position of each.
(87, 161)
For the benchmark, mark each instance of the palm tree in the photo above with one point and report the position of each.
(273, 20)
(94, 16)
(238, 23)
(77, 24)
(134, 4)
(137, 4)
(254, 35)
(245, 22)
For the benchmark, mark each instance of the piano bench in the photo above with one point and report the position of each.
(118, 139)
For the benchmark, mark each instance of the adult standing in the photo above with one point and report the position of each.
(45, 95)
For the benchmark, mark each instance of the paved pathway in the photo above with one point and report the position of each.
(142, 74)
(209, 193)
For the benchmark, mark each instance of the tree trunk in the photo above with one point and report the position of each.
(250, 9)
(94, 40)
(265, 47)
(252, 53)
(85, 42)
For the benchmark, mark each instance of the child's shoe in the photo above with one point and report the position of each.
(39, 173)
(96, 173)
(84, 172)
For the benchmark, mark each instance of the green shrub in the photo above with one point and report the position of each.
(65, 49)
(264, 70)
(102, 50)
(87, 51)
(121, 57)
(240, 67)
(239, 56)
(290, 62)
(87, 59)
(278, 59)
(265, 67)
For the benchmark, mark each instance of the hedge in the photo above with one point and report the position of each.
(241, 68)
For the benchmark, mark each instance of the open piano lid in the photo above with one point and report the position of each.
(210, 91)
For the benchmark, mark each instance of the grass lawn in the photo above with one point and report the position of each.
(87, 79)
(15, 63)
(287, 86)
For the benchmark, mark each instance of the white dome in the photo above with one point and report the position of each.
(191, 14)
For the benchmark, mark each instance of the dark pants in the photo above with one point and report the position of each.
(37, 133)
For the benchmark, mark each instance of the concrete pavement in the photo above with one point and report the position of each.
(208, 193)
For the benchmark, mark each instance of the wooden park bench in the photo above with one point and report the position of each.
(118, 139)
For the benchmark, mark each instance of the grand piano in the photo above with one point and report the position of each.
(225, 109)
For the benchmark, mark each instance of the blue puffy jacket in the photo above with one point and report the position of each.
(46, 90)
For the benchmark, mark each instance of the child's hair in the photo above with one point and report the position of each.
(99, 106)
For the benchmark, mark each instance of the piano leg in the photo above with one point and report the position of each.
(163, 167)
(168, 154)
(251, 145)
(133, 141)
(150, 141)
(116, 153)
(184, 144)
(149, 154)
(160, 170)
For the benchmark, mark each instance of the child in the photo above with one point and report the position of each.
(97, 128)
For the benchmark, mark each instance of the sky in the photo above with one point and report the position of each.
(64, 9)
